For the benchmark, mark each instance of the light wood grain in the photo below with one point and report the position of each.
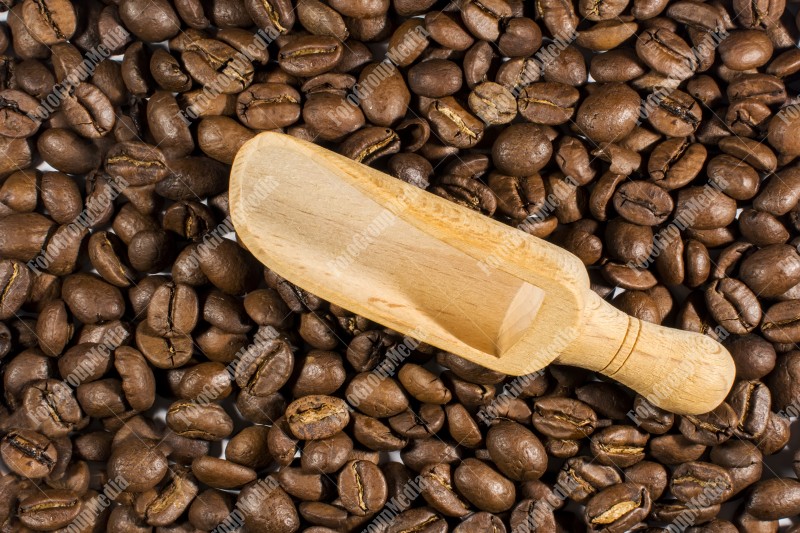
(455, 279)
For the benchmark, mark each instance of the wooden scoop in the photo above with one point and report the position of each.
(448, 276)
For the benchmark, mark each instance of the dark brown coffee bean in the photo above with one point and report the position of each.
(277, 14)
(692, 479)
(150, 22)
(773, 499)
(92, 300)
(268, 106)
(710, 428)
(643, 203)
(665, 52)
(548, 103)
(141, 464)
(676, 162)
(675, 115)
(620, 506)
(310, 55)
(49, 509)
(423, 385)
(745, 49)
(28, 453)
(199, 421)
(455, 125)
(173, 310)
(516, 451)
(420, 519)
(384, 399)
(564, 418)
(652, 476)
(521, 150)
(362, 487)
(493, 103)
(138, 381)
(733, 305)
(16, 282)
(594, 120)
(49, 21)
(622, 446)
(265, 367)
(483, 486)
(317, 417)
(780, 322)
(137, 163)
(762, 229)
(704, 208)
(18, 110)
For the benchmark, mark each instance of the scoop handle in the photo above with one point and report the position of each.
(680, 371)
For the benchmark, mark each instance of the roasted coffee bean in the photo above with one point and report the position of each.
(548, 103)
(173, 310)
(780, 322)
(594, 120)
(516, 451)
(675, 449)
(493, 103)
(317, 417)
(773, 499)
(420, 519)
(15, 278)
(150, 22)
(362, 487)
(423, 385)
(710, 428)
(743, 461)
(310, 55)
(384, 400)
(141, 464)
(676, 115)
(618, 507)
(521, 150)
(484, 487)
(622, 446)
(435, 78)
(694, 478)
(652, 476)
(199, 421)
(49, 509)
(733, 305)
(666, 53)
(762, 229)
(28, 453)
(455, 125)
(370, 144)
(49, 21)
(207, 60)
(488, 522)
(719, 209)
(268, 106)
(277, 14)
(19, 114)
(137, 163)
(642, 202)
(564, 418)
(438, 491)
(265, 369)
(675, 163)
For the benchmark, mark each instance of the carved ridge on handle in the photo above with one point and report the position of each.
(625, 351)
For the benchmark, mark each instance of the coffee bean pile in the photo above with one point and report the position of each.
(124, 294)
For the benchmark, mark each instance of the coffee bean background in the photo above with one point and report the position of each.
(155, 377)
